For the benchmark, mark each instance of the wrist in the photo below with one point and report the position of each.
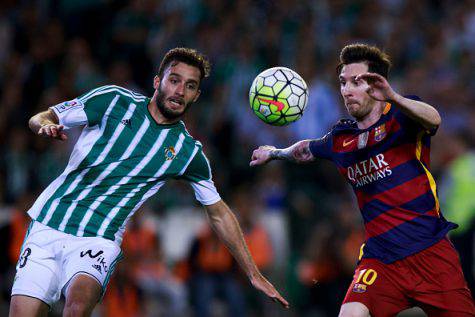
(254, 275)
(279, 154)
(394, 98)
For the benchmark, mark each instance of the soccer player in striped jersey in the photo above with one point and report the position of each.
(407, 259)
(129, 147)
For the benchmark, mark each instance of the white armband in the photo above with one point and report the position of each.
(70, 113)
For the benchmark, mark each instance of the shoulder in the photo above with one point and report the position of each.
(189, 139)
(111, 90)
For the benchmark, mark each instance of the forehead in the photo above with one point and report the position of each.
(353, 69)
(184, 70)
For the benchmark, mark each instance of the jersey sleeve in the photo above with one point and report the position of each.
(198, 173)
(322, 148)
(88, 109)
(70, 113)
(408, 123)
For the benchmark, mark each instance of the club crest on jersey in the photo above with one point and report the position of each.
(359, 288)
(379, 133)
(170, 153)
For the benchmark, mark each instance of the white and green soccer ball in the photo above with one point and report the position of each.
(278, 96)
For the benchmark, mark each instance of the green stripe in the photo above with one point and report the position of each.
(127, 93)
(151, 167)
(90, 93)
(174, 168)
(117, 150)
(93, 154)
(124, 212)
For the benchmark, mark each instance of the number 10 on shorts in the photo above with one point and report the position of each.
(365, 278)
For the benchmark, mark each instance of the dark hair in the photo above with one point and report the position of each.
(188, 56)
(378, 61)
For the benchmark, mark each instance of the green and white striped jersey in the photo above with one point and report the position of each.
(121, 158)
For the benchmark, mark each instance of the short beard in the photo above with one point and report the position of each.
(168, 113)
(362, 112)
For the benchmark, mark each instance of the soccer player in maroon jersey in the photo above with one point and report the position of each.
(407, 259)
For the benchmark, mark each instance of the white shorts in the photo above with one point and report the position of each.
(49, 259)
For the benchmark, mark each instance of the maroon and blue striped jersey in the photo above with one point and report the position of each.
(388, 167)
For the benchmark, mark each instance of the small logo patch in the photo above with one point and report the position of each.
(348, 142)
(170, 153)
(67, 105)
(280, 105)
(97, 267)
(126, 122)
(380, 133)
(359, 288)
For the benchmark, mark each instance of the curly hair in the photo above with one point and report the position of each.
(378, 61)
(188, 56)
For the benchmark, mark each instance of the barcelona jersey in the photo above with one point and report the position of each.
(388, 167)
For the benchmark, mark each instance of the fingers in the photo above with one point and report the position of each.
(369, 76)
(256, 161)
(62, 136)
(267, 288)
(279, 299)
(53, 131)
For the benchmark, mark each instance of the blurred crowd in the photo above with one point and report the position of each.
(301, 222)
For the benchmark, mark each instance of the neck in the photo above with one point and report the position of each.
(372, 117)
(156, 114)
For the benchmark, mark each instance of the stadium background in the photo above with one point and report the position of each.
(300, 221)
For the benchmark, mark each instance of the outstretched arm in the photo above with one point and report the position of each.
(46, 124)
(419, 111)
(227, 228)
(298, 153)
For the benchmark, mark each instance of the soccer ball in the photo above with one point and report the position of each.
(278, 96)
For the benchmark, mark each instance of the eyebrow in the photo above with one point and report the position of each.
(342, 77)
(188, 81)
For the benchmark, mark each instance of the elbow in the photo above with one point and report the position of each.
(31, 123)
(436, 121)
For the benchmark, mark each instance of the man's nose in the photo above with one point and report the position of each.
(180, 90)
(346, 91)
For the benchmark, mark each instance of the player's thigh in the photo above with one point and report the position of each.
(437, 312)
(82, 295)
(444, 291)
(374, 286)
(21, 306)
(94, 257)
(450, 303)
(354, 309)
(37, 271)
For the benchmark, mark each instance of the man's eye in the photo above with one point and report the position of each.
(173, 81)
(192, 87)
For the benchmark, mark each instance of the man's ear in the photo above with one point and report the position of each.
(156, 82)
(197, 96)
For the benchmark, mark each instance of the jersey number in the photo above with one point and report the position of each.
(367, 276)
(24, 257)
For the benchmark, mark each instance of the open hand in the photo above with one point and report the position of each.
(267, 288)
(54, 131)
(379, 88)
